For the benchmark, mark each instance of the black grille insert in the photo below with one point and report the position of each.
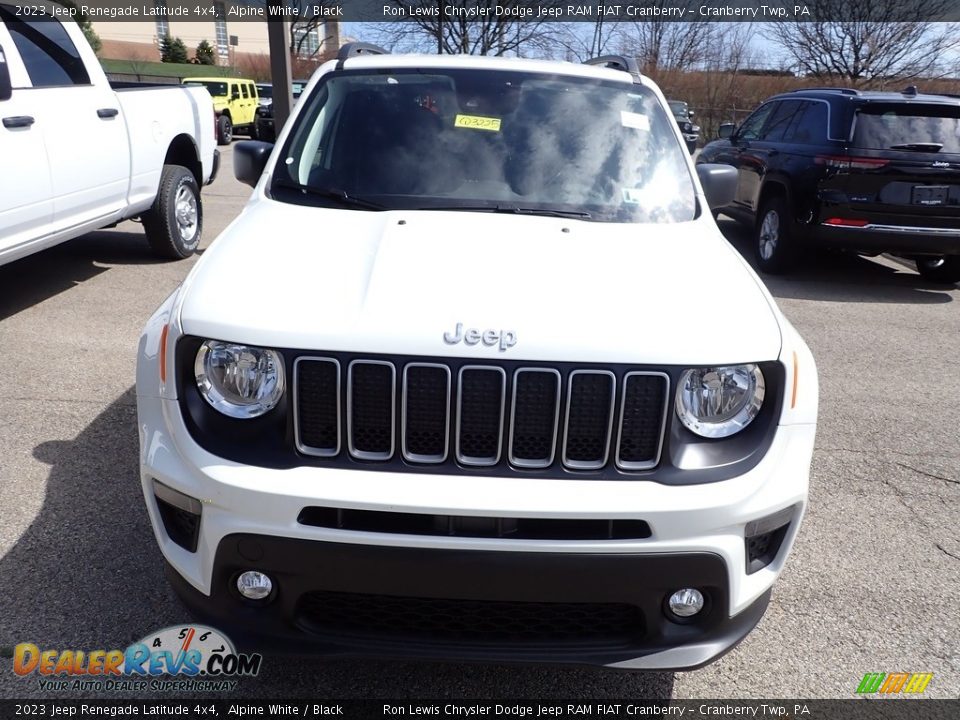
(469, 526)
(589, 419)
(534, 413)
(443, 620)
(641, 420)
(426, 412)
(318, 406)
(370, 412)
(480, 415)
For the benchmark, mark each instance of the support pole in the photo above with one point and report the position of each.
(278, 32)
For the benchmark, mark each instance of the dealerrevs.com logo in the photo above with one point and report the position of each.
(894, 683)
(177, 658)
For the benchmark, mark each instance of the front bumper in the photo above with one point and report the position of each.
(471, 605)
(697, 540)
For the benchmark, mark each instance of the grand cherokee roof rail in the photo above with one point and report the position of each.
(844, 91)
(617, 62)
(355, 49)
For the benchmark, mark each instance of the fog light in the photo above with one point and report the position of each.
(686, 602)
(254, 585)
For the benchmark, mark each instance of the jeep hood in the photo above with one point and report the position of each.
(289, 276)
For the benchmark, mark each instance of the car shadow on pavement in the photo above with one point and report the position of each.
(43, 275)
(842, 277)
(87, 574)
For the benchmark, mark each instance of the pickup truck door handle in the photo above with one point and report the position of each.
(107, 113)
(16, 121)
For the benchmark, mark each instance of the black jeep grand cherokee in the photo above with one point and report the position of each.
(870, 172)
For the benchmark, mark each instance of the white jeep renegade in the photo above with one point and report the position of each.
(474, 375)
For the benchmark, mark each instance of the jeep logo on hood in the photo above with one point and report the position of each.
(472, 336)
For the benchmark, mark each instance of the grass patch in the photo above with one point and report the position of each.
(159, 69)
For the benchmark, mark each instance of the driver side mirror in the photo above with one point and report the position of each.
(249, 160)
(726, 130)
(689, 113)
(6, 87)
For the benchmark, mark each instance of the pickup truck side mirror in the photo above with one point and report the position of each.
(6, 87)
(690, 113)
(726, 130)
(249, 159)
(719, 183)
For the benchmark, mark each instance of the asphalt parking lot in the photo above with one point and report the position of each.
(873, 584)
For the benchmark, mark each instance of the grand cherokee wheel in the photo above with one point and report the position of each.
(175, 222)
(940, 269)
(774, 240)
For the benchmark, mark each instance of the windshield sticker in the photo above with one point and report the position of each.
(634, 120)
(477, 122)
(633, 196)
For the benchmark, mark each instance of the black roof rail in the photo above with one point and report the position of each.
(844, 91)
(616, 62)
(355, 49)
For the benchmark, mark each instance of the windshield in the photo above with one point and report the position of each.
(216, 89)
(933, 128)
(679, 109)
(487, 141)
(265, 91)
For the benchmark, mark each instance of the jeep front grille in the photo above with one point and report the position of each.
(430, 412)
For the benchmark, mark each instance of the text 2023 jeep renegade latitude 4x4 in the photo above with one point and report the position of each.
(474, 375)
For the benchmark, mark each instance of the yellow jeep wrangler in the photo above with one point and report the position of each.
(235, 102)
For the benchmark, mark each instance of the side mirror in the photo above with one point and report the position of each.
(6, 87)
(726, 130)
(719, 183)
(249, 159)
(689, 113)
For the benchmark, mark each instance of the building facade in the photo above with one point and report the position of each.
(231, 41)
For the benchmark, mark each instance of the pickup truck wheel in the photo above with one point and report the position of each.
(224, 130)
(175, 222)
(775, 241)
(942, 270)
(254, 131)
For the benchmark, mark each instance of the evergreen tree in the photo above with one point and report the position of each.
(173, 50)
(204, 54)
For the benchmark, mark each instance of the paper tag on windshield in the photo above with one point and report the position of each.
(634, 120)
(477, 122)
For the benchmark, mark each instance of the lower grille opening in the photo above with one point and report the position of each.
(763, 548)
(445, 620)
(468, 526)
(182, 527)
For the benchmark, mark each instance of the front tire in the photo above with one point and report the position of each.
(174, 224)
(775, 243)
(940, 269)
(224, 130)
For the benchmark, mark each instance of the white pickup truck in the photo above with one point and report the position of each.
(77, 155)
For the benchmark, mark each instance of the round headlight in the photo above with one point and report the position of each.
(238, 380)
(719, 402)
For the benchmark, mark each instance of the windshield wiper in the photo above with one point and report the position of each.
(331, 193)
(512, 210)
(919, 147)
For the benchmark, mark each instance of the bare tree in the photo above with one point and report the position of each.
(669, 44)
(582, 40)
(873, 42)
(473, 27)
